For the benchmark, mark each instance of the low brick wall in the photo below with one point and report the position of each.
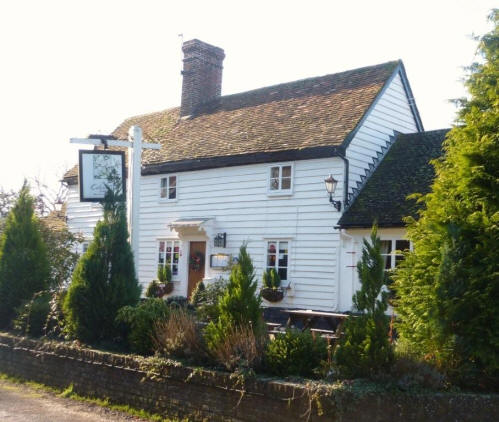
(178, 391)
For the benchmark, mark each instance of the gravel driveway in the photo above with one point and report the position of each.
(20, 402)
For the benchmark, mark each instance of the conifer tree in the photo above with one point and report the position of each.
(104, 279)
(240, 305)
(364, 349)
(448, 288)
(24, 268)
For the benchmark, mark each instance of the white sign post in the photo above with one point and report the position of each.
(135, 147)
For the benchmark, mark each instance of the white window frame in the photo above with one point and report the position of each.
(158, 252)
(167, 178)
(84, 246)
(280, 191)
(278, 240)
(393, 250)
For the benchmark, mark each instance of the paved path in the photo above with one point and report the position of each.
(21, 403)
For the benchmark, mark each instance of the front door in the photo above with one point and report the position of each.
(197, 253)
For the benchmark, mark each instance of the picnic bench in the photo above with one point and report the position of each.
(309, 319)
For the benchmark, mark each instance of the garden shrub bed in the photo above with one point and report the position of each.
(168, 387)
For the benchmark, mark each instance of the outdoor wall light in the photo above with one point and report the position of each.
(331, 183)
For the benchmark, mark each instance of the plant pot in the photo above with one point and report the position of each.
(168, 288)
(272, 295)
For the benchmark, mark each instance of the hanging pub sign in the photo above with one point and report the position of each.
(98, 171)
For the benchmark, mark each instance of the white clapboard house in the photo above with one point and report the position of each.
(251, 167)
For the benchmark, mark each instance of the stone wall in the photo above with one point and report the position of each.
(177, 391)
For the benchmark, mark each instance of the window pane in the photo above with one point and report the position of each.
(286, 171)
(174, 269)
(272, 248)
(388, 261)
(173, 181)
(402, 245)
(274, 184)
(283, 273)
(164, 182)
(283, 247)
(161, 246)
(271, 260)
(161, 259)
(274, 172)
(283, 260)
(172, 193)
(386, 246)
(286, 183)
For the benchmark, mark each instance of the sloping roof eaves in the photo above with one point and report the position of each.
(405, 170)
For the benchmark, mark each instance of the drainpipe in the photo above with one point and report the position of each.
(341, 154)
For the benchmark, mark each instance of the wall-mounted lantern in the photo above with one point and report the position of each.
(331, 183)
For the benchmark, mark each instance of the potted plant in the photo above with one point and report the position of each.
(271, 289)
(162, 286)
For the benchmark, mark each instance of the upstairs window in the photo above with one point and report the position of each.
(277, 257)
(168, 190)
(281, 179)
(391, 251)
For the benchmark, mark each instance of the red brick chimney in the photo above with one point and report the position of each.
(202, 75)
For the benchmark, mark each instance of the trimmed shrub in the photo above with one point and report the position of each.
(104, 280)
(271, 279)
(295, 353)
(179, 336)
(32, 316)
(206, 299)
(364, 349)
(24, 267)
(140, 322)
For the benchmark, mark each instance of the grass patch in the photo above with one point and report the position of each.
(69, 393)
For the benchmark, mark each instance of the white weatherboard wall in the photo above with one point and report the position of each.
(236, 199)
(82, 216)
(391, 113)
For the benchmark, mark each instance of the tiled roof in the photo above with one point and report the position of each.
(294, 116)
(308, 113)
(405, 169)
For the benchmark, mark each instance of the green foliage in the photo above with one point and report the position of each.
(271, 279)
(295, 353)
(364, 349)
(448, 288)
(206, 299)
(239, 306)
(104, 279)
(24, 267)
(32, 316)
(141, 321)
(164, 274)
(61, 253)
(154, 289)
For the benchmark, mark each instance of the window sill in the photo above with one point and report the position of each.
(167, 201)
(279, 193)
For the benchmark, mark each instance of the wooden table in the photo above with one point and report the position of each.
(310, 319)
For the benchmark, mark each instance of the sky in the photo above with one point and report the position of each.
(74, 67)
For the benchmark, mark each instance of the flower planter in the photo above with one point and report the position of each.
(168, 288)
(272, 295)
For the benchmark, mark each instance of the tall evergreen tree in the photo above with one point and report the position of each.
(24, 268)
(104, 279)
(364, 349)
(448, 288)
(240, 305)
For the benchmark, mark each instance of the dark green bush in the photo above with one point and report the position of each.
(140, 322)
(154, 289)
(32, 315)
(24, 267)
(205, 299)
(295, 353)
(104, 279)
